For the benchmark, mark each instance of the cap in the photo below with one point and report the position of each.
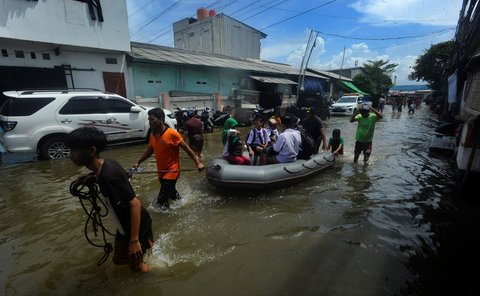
(365, 107)
(272, 121)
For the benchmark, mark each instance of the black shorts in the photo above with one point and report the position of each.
(365, 147)
(145, 237)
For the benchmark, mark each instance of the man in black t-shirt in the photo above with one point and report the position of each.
(314, 126)
(134, 224)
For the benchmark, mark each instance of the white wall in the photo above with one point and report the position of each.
(66, 22)
(75, 57)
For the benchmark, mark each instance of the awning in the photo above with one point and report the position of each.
(352, 87)
(273, 80)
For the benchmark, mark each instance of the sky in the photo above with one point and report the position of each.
(349, 32)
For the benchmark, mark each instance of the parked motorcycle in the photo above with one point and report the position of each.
(262, 113)
(206, 121)
(219, 117)
(181, 117)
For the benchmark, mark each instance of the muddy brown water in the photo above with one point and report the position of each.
(353, 230)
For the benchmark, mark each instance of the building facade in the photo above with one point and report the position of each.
(64, 44)
(217, 34)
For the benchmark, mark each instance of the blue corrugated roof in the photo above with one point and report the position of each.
(412, 87)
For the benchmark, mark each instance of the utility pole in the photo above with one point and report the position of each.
(341, 68)
(312, 40)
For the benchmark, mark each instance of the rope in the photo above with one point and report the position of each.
(139, 171)
(89, 193)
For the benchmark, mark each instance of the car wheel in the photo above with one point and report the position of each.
(54, 148)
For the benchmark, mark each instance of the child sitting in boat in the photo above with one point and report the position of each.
(257, 140)
(335, 143)
(233, 149)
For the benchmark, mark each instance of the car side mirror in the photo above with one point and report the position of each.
(135, 109)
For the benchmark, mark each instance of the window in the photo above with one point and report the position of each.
(117, 106)
(19, 54)
(32, 55)
(45, 56)
(111, 61)
(83, 105)
(24, 107)
(201, 82)
(4, 53)
(191, 34)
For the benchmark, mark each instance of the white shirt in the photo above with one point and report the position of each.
(288, 145)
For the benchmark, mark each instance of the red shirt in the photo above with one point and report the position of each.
(167, 154)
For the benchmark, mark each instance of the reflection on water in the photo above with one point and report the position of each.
(353, 230)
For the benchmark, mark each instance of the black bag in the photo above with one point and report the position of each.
(307, 145)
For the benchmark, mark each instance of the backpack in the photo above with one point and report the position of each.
(306, 146)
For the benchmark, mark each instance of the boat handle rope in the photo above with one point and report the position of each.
(89, 192)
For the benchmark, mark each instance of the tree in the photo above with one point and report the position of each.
(376, 79)
(431, 66)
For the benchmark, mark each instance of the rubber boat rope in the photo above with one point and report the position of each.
(139, 171)
(89, 193)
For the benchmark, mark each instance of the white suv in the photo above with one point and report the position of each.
(38, 120)
(346, 105)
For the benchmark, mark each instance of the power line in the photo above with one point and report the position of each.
(400, 44)
(298, 14)
(249, 5)
(268, 8)
(155, 18)
(387, 38)
(142, 8)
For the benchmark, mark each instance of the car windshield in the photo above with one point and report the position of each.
(347, 100)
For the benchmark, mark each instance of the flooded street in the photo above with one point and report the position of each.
(353, 230)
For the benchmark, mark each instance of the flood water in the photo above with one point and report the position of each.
(353, 230)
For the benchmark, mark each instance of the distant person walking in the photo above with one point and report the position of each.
(194, 129)
(365, 129)
(381, 104)
(411, 106)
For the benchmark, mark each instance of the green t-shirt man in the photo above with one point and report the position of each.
(365, 128)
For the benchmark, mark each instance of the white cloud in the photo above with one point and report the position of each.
(291, 50)
(363, 47)
(426, 12)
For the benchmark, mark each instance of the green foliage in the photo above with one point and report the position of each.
(431, 66)
(376, 79)
(364, 83)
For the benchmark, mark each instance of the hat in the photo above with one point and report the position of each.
(272, 121)
(365, 107)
